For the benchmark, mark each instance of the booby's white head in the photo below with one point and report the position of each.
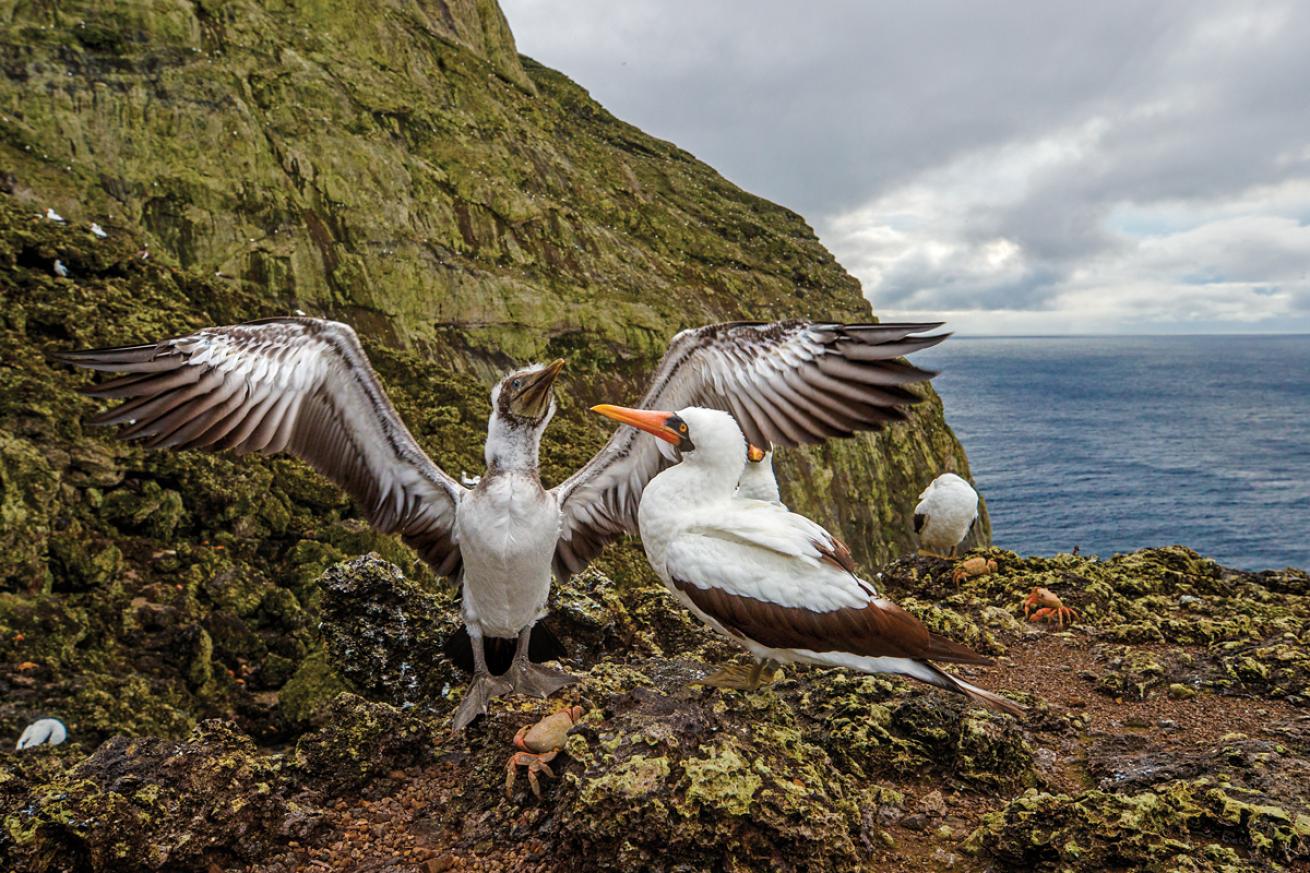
(522, 404)
(706, 440)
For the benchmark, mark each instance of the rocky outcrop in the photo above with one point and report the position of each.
(822, 770)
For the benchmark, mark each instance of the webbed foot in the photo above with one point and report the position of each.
(482, 690)
(742, 677)
(537, 680)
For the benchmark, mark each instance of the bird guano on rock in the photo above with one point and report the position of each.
(773, 581)
(946, 512)
(304, 386)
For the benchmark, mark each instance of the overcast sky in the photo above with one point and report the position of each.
(1019, 168)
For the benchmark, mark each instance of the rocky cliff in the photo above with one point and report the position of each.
(396, 165)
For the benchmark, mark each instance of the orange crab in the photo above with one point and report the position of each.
(975, 566)
(539, 744)
(1049, 608)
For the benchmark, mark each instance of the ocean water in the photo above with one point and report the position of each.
(1118, 443)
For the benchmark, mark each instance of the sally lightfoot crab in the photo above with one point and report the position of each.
(539, 744)
(1049, 608)
(975, 566)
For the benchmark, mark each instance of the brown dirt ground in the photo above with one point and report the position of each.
(396, 825)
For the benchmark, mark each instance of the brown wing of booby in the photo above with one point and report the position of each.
(787, 383)
(879, 630)
(299, 385)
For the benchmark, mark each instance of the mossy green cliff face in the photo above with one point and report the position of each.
(395, 165)
(398, 166)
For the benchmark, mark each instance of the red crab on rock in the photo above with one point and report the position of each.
(538, 745)
(1049, 608)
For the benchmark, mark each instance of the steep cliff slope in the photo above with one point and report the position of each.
(398, 166)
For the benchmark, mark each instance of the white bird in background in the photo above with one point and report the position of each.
(769, 579)
(946, 513)
(757, 479)
(51, 215)
(98, 230)
(60, 270)
(304, 386)
(43, 732)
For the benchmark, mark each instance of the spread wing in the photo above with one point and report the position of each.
(299, 385)
(787, 383)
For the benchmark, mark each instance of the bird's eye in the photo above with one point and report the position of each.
(682, 428)
(517, 383)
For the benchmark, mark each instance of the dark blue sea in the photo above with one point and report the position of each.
(1118, 443)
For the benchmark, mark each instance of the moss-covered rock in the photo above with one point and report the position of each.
(149, 804)
(1186, 825)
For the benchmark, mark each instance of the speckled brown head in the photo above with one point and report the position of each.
(525, 397)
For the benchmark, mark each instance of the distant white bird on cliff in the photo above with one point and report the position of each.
(43, 732)
(60, 270)
(98, 230)
(946, 513)
(304, 386)
(769, 579)
(757, 479)
(51, 215)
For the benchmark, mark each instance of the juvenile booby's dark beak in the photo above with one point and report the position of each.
(754, 453)
(661, 424)
(534, 396)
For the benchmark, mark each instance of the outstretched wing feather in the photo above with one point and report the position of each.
(787, 383)
(299, 385)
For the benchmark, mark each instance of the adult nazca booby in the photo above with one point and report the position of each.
(946, 512)
(304, 386)
(772, 580)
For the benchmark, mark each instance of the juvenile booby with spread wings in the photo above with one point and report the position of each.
(305, 386)
(772, 580)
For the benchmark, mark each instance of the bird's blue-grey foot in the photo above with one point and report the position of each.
(482, 690)
(538, 680)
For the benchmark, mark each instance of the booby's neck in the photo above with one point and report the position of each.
(758, 482)
(513, 445)
(679, 496)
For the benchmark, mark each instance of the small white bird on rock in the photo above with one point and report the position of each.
(43, 732)
(771, 580)
(98, 230)
(757, 479)
(60, 270)
(946, 513)
(51, 215)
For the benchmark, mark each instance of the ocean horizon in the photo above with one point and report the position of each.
(1118, 442)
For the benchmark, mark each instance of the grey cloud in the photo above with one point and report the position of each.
(842, 109)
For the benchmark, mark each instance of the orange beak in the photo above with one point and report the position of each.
(754, 453)
(650, 420)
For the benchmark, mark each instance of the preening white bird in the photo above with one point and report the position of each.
(304, 386)
(42, 732)
(772, 580)
(757, 479)
(947, 511)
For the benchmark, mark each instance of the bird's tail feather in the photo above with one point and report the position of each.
(936, 676)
